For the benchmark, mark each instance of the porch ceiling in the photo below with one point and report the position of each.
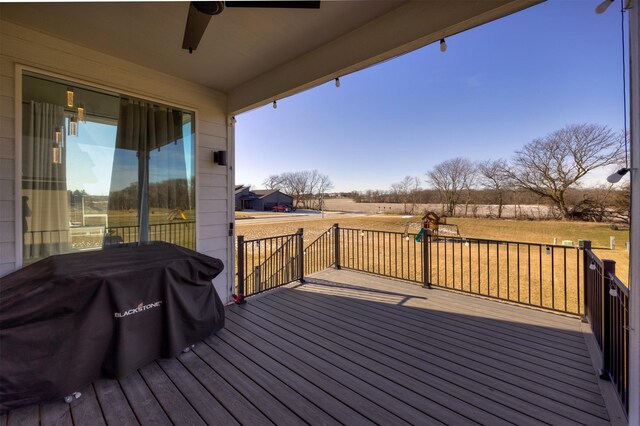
(257, 55)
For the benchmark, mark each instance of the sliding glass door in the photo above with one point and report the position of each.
(102, 169)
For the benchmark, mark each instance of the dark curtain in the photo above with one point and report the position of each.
(45, 204)
(144, 132)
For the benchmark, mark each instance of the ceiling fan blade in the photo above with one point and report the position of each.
(196, 25)
(275, 4)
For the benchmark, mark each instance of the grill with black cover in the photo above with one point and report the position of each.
(71, 319)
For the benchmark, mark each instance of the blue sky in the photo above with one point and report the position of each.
(496, 88)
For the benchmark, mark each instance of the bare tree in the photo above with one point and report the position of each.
(450, 178)
(407, 192)
(494, 176)
(552, 165)
(324, 185)
(303, 186)
(273, 182)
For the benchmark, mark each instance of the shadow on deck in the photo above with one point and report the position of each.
(349, 348)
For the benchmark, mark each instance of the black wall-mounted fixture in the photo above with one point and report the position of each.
(220, 157)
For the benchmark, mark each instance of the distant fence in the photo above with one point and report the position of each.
(607, 310)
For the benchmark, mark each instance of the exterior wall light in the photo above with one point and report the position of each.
(220, 158)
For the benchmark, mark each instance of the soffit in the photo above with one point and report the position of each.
(238, 45)
(257, 55)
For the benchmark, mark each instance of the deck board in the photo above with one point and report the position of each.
(56, 413)
(169, 397)
(115, 407)
(143, 402)
(24, 416)
(482, 360)
(232, 400)
(479, 388)
(332, 366)
(271, 407)
(301, 406)
(337, 343)
(432, 330)
(86, 409)
(209, 409)
(303, 385)
(341, 391)
(350, 348)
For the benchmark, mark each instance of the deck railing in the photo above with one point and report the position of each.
(266, 263)
(321, 253)
(541, 275)
(181, 233)
(606, 308)
(385, 253)
(38, 244)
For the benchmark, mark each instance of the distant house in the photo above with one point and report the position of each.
(260, 199)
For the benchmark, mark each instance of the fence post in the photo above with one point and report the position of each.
(301, 254)
(608, 268)
(336, 245)
(425, 259)
(585, 245)
(239, 296)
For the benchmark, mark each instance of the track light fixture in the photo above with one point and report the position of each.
(615, 177)
(443, 45)
(602, 7)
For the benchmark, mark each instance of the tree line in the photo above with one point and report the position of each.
(547, 170)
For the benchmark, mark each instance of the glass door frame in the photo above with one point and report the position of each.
(20, 69)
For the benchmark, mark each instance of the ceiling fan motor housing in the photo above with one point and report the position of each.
(209, 7)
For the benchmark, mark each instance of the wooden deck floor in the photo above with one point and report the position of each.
(348, 348)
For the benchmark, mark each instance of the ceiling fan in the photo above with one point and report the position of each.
(200, 12)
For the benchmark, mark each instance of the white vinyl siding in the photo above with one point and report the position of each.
(42, 53)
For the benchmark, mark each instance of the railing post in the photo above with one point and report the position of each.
(239, 296)
(425, 259)
(300, 234)
(336, 245)
(608, 268)
(585, 245)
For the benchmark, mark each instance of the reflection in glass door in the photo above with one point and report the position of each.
(101, 169)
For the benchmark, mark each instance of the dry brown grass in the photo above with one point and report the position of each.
(509, 271)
